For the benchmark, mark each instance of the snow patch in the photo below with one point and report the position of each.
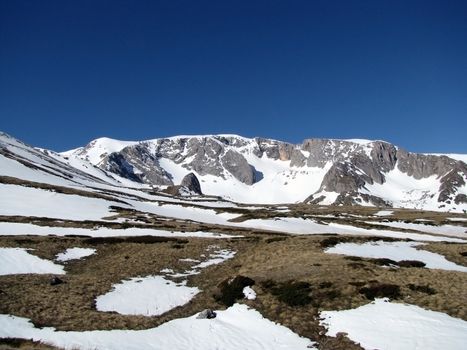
(308, 226)
(384, 213)
(384, 325)
(26, 201)
(396, 251)
(148, 296)
(18, 260)
(75, 253)
(217, 257)
(452, 230)
(249, 293)
(11, 229)
(238, 327)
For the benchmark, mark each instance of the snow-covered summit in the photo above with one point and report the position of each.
(99, 148)
(260, 170)
(326, 171)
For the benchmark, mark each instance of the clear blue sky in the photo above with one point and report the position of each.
(72, 71)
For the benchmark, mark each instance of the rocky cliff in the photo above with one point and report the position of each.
(319, 171)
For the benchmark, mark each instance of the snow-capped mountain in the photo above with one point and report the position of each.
(261, 170)
(258, 170)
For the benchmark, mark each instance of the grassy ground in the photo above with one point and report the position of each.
(294, 280)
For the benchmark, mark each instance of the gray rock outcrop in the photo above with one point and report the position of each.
(206, 314)
(190, 182)
(238, 166)
(352, 165)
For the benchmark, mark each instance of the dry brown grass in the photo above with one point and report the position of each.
(15, 343)
(71, 305)
(335, 281)
(456, 253)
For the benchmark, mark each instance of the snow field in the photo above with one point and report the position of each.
(11, 229)
(26, 201)
(391, 326)
(309, 226)
(384, 213)
(154, 295)
(452, 230)
(148, 296)
(396, 251)
(18, 260)
(289, 182)
(216, 257)
(75, 253)
(238, 327)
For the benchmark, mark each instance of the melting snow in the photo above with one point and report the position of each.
(28, 201)
(396, 251)
(18, 260)
(166, 270)
(249, 293)
(155, 295)
(219, 256)
(75, 253)
(452, 230)
(384, 213)
(384, 325)
(308, 226)
(7, 228)
(147, 296)
(189, 260)
(238, 327)
(185, 212)
(214, 258)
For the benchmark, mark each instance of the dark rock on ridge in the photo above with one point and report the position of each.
(351, 166)
(190, 181)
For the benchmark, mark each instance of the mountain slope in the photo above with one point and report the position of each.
(318, 171)
(22, 161)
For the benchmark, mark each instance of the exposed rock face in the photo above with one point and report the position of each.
(460, 199)
(137, 164)
(384, 156)
(450, 182)
(238, 166)
(356, 198)
(347, 179)
(190, 181)
(350, 167)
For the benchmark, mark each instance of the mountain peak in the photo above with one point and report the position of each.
(349, 171)
(261, 170)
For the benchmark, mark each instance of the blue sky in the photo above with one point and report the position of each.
(72, 71)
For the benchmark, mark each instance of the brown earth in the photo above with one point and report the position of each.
(275, 263)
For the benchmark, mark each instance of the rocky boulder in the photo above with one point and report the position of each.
(206, 314)
(190, 182)
(238, 166)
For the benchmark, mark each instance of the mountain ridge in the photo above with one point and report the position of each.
(349, 166)
(317, 171)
